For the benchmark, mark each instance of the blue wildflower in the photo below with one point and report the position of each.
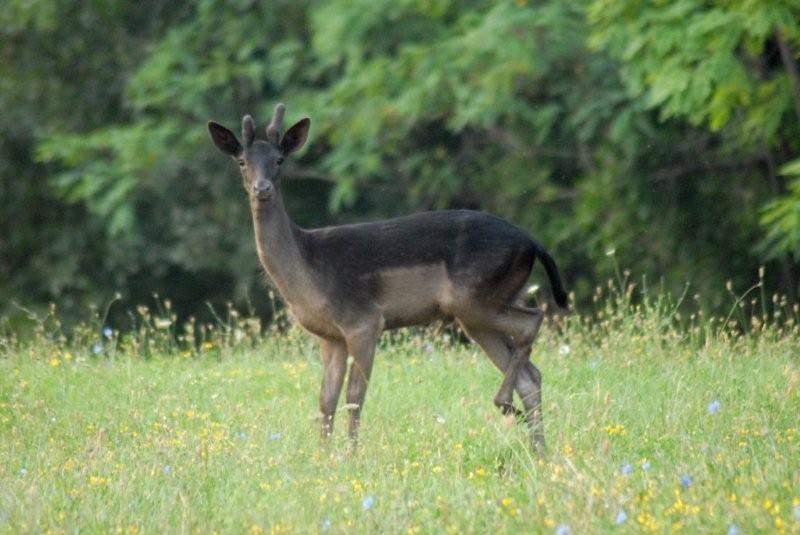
(23, 472)
(563, 529)
(326, 524)
(275, 436)
(733, 529)
(622, 517)
(627, 469)
(797, 512)
(368, 502)
(686, 481)
(167, 470)
(714, 407)
(242, 435)
(646, 466)
(107, 332)
(97, 348)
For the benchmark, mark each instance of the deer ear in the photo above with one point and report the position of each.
(295, 137)
(224, 139)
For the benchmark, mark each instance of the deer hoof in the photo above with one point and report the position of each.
(507, 407)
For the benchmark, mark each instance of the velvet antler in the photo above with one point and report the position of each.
(248, 130)
(273, 130)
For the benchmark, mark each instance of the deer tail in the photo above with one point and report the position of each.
(556, 286)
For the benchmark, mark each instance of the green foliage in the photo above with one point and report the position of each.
(703, 60)
(643, 126)
(718, 65)
(782, 217)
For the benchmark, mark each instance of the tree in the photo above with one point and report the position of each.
(640, 126)
(726, 66)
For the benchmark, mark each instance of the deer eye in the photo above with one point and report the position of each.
(279, 160)
(240, 162)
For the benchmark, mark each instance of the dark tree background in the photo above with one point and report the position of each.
(667, 131)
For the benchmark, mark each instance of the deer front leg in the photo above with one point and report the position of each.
(334, 366)
(361, 346)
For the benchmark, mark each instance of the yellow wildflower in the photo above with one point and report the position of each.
(96, 481)
(613, 430)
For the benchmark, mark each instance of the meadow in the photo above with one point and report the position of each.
(656, 421)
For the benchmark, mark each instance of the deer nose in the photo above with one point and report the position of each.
(262, 189)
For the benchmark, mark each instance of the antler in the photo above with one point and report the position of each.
(273, 130)
(248, 130)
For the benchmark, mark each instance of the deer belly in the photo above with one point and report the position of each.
(412, 295)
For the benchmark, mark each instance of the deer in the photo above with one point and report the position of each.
(347, 284)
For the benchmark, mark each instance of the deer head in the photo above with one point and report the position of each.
(260, 160)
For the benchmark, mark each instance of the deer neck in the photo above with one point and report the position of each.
(279, 242)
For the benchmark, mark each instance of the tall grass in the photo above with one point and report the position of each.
(658, 419)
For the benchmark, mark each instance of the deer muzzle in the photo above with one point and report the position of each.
(262, 189)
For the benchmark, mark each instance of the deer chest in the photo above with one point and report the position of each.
(312, 316)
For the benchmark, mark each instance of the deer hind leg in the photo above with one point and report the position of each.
(528, 380)
(523, 326)
(520, 325)
(496, 346)
(334, 364)
(529, 388)
(525, 377)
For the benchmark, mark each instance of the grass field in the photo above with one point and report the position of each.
(655, 423)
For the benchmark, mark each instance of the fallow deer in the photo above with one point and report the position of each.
(347, 284)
